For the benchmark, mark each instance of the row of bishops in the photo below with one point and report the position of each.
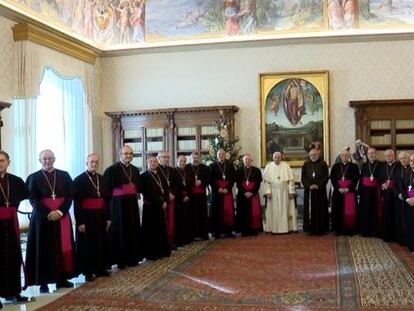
(111, 228)
(374, 201)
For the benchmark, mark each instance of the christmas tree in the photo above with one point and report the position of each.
(222, 140)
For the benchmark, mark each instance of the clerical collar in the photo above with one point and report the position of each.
(391, 163)
(153, 171)
(124, 164)
(4, 175)
(47, 172)
(92, 173)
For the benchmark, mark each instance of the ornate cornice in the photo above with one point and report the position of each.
(79, 50)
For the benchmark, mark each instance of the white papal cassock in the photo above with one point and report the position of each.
(280, 214)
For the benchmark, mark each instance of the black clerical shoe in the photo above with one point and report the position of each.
(44, 289)
(17, 298)
(104, 273)
(89, 277)
(64, 284)
(1, 305)
(121, 266)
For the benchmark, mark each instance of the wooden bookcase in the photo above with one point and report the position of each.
(176, 130)
(385, 124)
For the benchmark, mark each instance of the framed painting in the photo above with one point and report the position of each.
(294, 115)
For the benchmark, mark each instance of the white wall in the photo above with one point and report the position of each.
(229, 76)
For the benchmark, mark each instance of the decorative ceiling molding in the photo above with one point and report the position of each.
(26, 31)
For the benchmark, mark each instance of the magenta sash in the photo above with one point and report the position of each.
(255, 208)
(366, 181)
(198, 189)
(65, 233)
(126, 189)
(228, 213)
(10, 212)
(171, 220)
(349, 205)
(410, 193)
(93, 203)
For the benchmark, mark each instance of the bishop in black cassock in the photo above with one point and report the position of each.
(315, 176)
(344, 178)
(50, 254)
(248, 180)
(199, 179)
(125, 237)
(154, 218)
(170, 185)
(406, 184)
(222, 178)
(91, 196)
(388, 177)
(183, 203)
(13, 191)
(370, 209)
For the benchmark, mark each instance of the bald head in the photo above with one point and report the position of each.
(314, 154)
(345, 156)
(247, 160)
(404, 158)
(126, 154)
(47, 159)
(389, 156)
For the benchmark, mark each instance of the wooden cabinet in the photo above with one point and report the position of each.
(176, 130)
(385, 124)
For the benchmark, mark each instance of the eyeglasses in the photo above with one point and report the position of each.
(127, 153)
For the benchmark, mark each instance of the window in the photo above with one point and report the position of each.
(58, 119)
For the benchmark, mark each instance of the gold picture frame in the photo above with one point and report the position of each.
(294, 115)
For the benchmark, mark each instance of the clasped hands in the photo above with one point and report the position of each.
(343, 190)
(54, 215)
(223, 190)
(269, 196)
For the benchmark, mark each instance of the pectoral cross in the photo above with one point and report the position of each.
(53, 196)
(8, 203)
(409, 188)
(371, 178)
(343, 178)
(247, 182)
(313, 174)
(196, 177)
(224, 177)
(98, 193)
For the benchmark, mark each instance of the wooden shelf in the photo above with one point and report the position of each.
(372, 118)
(186, 126)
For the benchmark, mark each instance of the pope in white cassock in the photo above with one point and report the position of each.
(279, 189)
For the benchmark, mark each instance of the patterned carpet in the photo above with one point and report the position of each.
(283, 272)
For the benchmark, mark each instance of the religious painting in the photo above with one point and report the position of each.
(342, 14)
(294, 113)
(386, 13)
(278, 16)
(111, 22)
(195, 19)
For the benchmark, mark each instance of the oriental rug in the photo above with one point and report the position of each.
(265, 272)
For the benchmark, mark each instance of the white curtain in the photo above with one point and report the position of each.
(58, 119)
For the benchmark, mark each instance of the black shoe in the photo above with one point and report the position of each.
(104, 273)
(1, 305)
(121, 266)
(64, 284)
(20, 298)
(89, 277)
(44, 289)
